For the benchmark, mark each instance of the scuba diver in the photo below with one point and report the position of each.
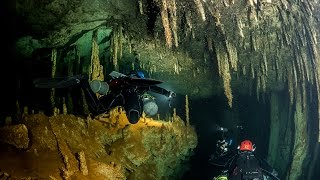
(247, 166)
(224, 143)
(128, 91)
(222, 149)
(223, 146)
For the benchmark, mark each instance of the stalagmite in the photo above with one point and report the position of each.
(83, 163)
(187, 111)
(96, 70)
(64, 106)
(174, 116)
(53, 75)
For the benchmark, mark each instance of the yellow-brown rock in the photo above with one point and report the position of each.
(16, 135)
(106, 147)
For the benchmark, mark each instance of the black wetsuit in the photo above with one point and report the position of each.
(245, 165)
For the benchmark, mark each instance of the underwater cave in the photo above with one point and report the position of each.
(146, 89)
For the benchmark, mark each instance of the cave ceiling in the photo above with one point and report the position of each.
(251, 46)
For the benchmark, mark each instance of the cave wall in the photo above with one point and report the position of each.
(281, 133)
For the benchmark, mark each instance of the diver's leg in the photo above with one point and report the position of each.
(133, 106)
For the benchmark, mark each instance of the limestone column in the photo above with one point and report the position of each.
(300, 148)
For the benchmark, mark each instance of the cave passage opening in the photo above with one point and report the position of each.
(207, 114)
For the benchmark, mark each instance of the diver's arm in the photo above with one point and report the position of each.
(161, 91)
(266, 168)
(264, 165)
(231, 163)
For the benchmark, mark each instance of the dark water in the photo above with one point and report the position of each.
(207, 113)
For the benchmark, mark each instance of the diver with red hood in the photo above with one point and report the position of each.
(245, 165)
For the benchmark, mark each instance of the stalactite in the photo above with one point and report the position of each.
(173, 20)
(313, 35)
(264, 83)
(252, 17)
(187, 111)
(120, 41)
(114, 45)
(252, 70)
(227, 85)
(244, 71)
(304, 95)
(232, 54)
(176, 68)
(53, 75)
(265, 63)
(261, 67)
(290, 85)
(200, 9)
(305, 65)
(240, 27)
(295, 76)
(251, 2)
(209, 43)
(165, 23)
(258, 88)
(220, 59)
(227, 81)
(253, 45)
(224, 71)
(140, 3)
(188, 22)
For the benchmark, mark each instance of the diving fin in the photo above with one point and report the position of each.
(59, 82)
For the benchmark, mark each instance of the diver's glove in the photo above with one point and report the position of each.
(172, 94)
(274, 173)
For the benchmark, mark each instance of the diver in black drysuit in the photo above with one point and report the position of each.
(125, 91)
(245, 165)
